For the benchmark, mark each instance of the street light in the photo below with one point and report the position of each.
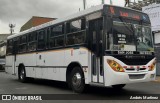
(84, 4)
(11, 28)
(102, 1)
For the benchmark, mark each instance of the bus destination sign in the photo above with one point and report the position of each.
(128, 13)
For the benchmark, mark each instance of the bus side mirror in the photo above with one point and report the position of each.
(109, 23)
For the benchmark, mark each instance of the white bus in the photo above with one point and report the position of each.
(104, 46)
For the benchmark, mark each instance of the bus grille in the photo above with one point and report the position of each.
(136, 76)
(135, 60)
(134, 69)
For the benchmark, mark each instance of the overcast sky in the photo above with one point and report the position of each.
(20, 11)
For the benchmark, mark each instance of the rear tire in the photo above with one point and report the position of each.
(22, 74)
(119, 86)
(76, 80)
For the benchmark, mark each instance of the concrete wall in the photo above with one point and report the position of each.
(3, 37)
(157, 54)
(157, 38)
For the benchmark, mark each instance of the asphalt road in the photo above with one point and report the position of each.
(10, 85)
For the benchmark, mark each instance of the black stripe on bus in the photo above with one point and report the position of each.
(7, 66)
(52, 66)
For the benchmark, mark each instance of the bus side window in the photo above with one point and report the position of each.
(48, 32)
(41, 40)
(22, 44)
(76, 32)
(32, 37)
(9, 47)
(57, 36)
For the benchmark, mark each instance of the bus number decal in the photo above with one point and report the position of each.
(125, 52)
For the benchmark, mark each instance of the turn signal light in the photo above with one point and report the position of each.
(152, 66)
(115, 66)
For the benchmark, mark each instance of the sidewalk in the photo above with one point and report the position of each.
(157, 79)
(2, 70)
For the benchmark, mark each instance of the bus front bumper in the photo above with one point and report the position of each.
(126, 78)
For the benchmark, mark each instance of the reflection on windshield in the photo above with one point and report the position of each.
(143, 37)
(130, 37)
(123, 37)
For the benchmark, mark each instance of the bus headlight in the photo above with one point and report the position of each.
(115, 66)
(152, 66)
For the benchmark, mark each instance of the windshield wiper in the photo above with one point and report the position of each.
(125, 24)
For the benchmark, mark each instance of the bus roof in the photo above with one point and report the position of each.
(74, 16)
(57, 21)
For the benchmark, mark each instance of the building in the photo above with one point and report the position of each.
(3, 37)
(35, 21)
(3, 40)
(134, 4)
(153, 10)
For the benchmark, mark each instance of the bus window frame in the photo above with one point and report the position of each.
(22, 43)
(44, 40)
(9, 52)
(82, 30)
(56, 36)
(31, 42)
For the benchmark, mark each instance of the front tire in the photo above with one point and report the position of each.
(119, 86)
(22, 75)
(76, 81)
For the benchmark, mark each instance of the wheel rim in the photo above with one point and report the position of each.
(22, 74)
(76, 80)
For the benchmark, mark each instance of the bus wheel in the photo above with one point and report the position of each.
(22, 74)
(77, 80)
(119, 86)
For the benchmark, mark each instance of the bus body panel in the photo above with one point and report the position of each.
(113, 78)
(29, 61)
(9, 64)
(80, 56)
(53, 64)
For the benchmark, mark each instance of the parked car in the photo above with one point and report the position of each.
(2, 64)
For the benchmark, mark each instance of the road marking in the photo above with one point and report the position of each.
(21, 88)
(1, 90)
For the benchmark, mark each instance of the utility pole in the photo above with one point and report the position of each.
(102, 1)
(84, 4)
(111, 2)
(11, 28)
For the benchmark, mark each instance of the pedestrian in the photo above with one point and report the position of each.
(126, 2)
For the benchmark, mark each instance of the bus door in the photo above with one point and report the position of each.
(15, 50)
(95, 43)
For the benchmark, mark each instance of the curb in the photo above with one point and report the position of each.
(2, 70)
(157, 80)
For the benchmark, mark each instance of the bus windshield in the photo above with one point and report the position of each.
(143, 37)
(130, 37)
